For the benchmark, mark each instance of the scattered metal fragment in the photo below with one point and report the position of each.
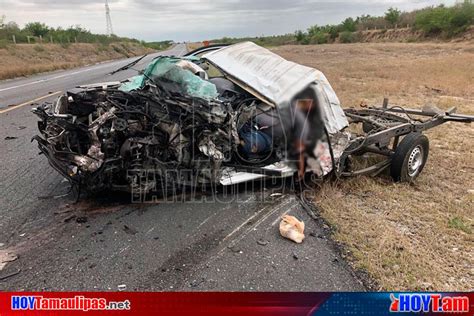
(129, 230)
(10, 137)
(81, 219)
(122, 287)
(234, 249)
(308, 206)
(196, 283)
(262, 242)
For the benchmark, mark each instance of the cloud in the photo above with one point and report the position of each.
(198, 19)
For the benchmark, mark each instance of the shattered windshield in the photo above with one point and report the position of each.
(185, 76)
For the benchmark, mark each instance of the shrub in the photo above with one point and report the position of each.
(433, 21)
(392, 16)
(300, 36)
(37, 29)
(347, 37)
(349, 25)
(39, 48)
(3, 44)
(319, 38)
(462, 17)
(447, 20)
(65, 45)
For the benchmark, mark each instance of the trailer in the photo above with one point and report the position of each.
(395, 133)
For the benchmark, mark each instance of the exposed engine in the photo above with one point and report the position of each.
(175, 125)
(143, 139)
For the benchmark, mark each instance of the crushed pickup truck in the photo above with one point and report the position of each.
(225, 115)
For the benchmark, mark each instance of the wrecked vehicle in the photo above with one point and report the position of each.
(224, 115)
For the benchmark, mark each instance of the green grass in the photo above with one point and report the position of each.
(458, 223)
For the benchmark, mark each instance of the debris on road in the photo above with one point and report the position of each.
(196, 283)
(262, 242)
(9, 275)
(6, 257)
(69, 218)
(81, 220)
(235, 249)
(276, 194)
(122, 287)
(129, 230)
(10, 137)
(291, 228)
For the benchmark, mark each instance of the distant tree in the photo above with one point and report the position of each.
(300, 36)
(312, 30)
(349, 25)
(37, 28)
(333, 31)
(2, 21)
(392, 16)
(370, 22)
(12, 26)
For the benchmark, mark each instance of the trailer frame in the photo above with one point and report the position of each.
(383, 129)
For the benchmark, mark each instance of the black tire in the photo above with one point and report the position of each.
(410, 158)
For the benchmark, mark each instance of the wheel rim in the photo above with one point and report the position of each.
(415, 161)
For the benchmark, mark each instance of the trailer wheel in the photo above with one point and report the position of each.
(410, 157)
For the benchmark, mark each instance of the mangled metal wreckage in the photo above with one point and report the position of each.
(222, 115)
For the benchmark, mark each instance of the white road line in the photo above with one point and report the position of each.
(253, 227)
(110, 64)
(59, 76)
(29, 102)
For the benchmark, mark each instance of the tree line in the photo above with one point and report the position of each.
(37, 32)
(433, 21)
(444, 21)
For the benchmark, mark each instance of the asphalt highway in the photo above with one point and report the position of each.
(227, 242)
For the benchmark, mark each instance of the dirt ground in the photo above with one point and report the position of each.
(406, 237)
(27, 59)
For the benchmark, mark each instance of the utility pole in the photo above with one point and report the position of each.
(108, 20)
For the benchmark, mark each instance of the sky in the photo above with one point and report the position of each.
(195, 20)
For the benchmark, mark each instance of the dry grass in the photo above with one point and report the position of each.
(407, 237)
(25, 59)
(194, 45)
